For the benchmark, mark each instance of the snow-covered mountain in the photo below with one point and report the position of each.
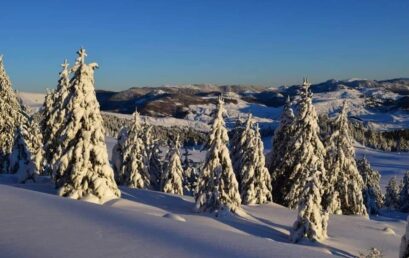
(382, 104)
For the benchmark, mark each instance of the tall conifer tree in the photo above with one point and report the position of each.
(217, 188)
(84, 166)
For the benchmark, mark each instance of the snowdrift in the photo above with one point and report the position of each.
(37, 223)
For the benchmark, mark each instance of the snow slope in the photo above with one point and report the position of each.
(263, 115)
(389, 164)
(166, 121)
(37, 223)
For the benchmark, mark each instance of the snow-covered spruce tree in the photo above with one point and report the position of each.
(153, 155)
(34, 140)
(242, 144)
(12, 115)
(189, 175)
(155, 165)
(135, 163)
(22, 163)
(283, 135)
(372, 193)
(404, 244)
(53, 119)
(312, 221)
(404, 194)
(235, 146)
(255, 184)
(117, 154)
(392, 194)
(304, 150)
(84, 169)
(217, 187)
(342, 173)
(172, 177)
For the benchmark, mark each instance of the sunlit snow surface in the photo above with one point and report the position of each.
(35, 222)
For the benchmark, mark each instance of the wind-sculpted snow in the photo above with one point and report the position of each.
(37, 223)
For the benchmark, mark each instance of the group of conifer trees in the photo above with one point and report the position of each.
(21, 150)
(221, 185)
(397, 194)
(318, 175)
(69, 142)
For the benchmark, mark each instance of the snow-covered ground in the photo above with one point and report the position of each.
(263, 115)
(35, 222)
(166, 121)
(389, 164)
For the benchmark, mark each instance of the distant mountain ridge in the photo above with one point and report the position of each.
(175, 100)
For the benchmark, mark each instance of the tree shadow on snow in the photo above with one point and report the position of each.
(43, 184)
(283, 237)
(334, 251)
(249, 227)
(182, 205)
(171, 203)
(273, 224)
(389, 216)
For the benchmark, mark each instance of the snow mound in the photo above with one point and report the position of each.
(69, 227)
(174, 217)
(388, 230)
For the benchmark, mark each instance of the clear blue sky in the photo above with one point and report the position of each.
(151, 43)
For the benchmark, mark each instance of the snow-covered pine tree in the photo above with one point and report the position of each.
(404, 244)
(392, 194)
(84, 166)
(186, 154)
(283, 135)
(135, 162)
(235, 146)
(311, 221)
(243, 133)
(12, 115)
(189, 175)
(34, 140)
(342, 173)
(217, 188)
(153, 155)
(22, 163)
(172, 177)
(404, 194)
(53, 120)
(117, 154)
(155, 165)
(372, 193)
(255, 184)
(304, 150)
